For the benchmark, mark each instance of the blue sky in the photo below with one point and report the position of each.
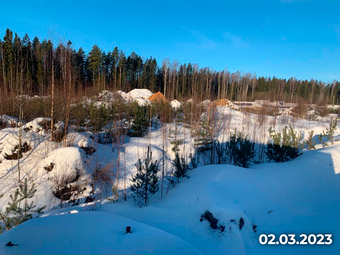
(282, 38)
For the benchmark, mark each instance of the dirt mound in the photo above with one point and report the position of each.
(157, 97)
(222, 102)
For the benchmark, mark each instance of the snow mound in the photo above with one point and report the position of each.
(79, 140)
(139, 93)
(141, 96)
(66, 160)
(157, 97)
(43, 124)
(103, 233)
(223, 102)
(175, 104)
(8, 120)
(142, 101)
(109, 97)
(65, 170)
(122, 94)
(10, 140)
(206, 103)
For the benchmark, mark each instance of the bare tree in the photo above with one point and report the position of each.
(165, 74)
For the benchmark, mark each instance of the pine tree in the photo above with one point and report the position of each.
(310, 143)
(95, 61)
(231, 148)
(245, 151)
(239, 149)
(145, 181)
(19, 209)
(6, 222)
(220, 151)
(285, 145)
(204, 141)
(181, 168)
(140, 120)
(329, 133)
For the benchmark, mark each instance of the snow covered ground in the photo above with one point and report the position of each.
(92, 233)
(300, 196)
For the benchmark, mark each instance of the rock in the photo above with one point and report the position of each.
(254, 228)
(50, 167)
(241, 223)
(209, 217)
(89, 150)
(25, 147)
(10, 244)
(212, 220)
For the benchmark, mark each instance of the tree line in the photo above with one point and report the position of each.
(40, 67)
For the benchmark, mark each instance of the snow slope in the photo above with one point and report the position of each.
(300, 196)
(303, 195)
(103, 233)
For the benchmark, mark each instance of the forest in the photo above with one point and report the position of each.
(42, 67)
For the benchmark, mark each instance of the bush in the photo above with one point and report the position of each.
(69, 187)
(18, 153)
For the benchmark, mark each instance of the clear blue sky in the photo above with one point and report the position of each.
(282, 38)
